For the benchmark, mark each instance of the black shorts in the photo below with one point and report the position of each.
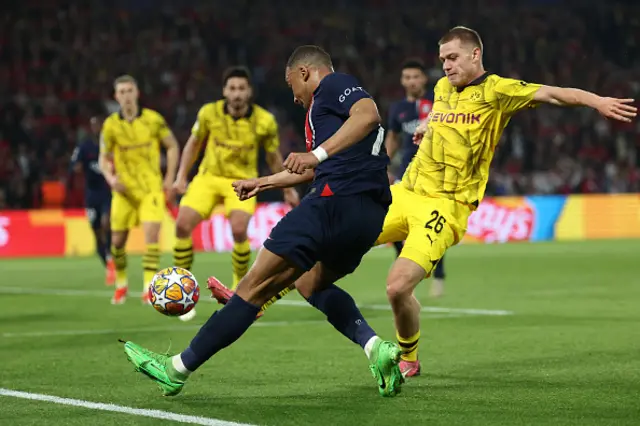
(336, 231)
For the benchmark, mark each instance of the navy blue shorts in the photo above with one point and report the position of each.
(97, 207)
(337, 231)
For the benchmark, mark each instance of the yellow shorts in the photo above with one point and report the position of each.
(429, 226)
(206, 191)
(127, 212)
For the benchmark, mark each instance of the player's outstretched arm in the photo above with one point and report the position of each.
(189, 155)
(617, 109)
(363, 119)
(249, 188)
(173, 153)
(274, 161)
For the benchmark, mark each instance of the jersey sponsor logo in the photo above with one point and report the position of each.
(455, 118)
(499, 223)
(134, 146)
(348, 91)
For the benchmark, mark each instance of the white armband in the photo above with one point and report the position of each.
(320, 154)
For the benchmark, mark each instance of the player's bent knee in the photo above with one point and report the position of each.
(403, 278)
(119, 239)
(186, 222)
(239, 222)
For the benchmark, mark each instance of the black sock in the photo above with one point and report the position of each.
(102, 249)
(343, 314)
(398, 246)
(222, 329)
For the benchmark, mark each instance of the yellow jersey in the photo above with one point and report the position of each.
(232, 144)
(463, 130)
(135, 146)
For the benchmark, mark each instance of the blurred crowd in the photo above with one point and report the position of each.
(58, 60)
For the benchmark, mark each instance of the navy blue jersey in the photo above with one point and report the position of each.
(404, 117)
(86, 154)
(359, 168)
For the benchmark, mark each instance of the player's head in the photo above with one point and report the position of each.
(95, 123)
(413, 77)
(236, 87)
(461, 55)
(126, 91)
(306, 67)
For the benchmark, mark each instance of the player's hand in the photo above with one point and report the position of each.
(180, 186)
(618, 109)
(299, 162)
(291, 197)
(116, 185)
(419, 132)
(247, 188)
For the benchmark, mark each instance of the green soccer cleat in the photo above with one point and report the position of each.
(384, 367)
(155, 366)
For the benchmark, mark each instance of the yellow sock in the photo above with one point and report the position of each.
(409, 346)
(119, 256)
(150, 262)
(183, 253)
(274, 299)
(240, 261)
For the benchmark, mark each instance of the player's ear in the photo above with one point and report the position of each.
(304, 73)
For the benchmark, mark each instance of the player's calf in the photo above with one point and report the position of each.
(241, 254)
(186, 222)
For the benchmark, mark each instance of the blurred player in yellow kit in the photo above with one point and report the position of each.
(233, 129)
(131, 138)
(447, 178)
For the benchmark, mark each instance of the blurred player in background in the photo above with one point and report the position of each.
(234, 129)
(97, 194)
(446, 180)
(404, 117)
(131, 138)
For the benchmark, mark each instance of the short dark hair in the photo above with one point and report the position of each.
(310, 55)
(236, 72)
(464, 34)
(414, 64)
(126, 78)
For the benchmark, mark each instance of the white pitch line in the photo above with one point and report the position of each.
(156, 414)
(283, 302)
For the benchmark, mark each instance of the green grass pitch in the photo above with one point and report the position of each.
(555, 341)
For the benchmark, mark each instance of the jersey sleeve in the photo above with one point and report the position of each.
(514, 95)
(163, 127)
(271, 142)
(393, 123)
(106, 138)
(340, 92)
(199, 128)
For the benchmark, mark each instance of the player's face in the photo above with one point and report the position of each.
(126, 95)
(413, 80)
(96, 125)
(460, 62)
(237, 92)
(298, 80)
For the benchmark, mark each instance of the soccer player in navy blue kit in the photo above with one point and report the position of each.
(97, 194)
(318, 242)
(404, 117)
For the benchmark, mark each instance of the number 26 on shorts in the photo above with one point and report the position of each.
(437, 222)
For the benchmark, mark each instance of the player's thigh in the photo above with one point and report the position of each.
(123, 213)
(354, 225)
(432, 230)
(231, 201)
(318, 278)
(395, 226)
(92, 210)
(269, 275)
(201, 195)
(299, 235)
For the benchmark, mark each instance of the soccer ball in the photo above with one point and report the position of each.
(174, 291)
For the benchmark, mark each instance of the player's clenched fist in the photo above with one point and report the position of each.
(618, 109)
(180, 186)
(116, 185)
(247, 188)
(419, 133)
(298, 162)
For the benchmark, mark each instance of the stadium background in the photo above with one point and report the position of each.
(58, 59)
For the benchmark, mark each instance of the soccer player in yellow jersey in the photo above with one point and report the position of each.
(234, 129)
(131, 139)
(447, 177)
